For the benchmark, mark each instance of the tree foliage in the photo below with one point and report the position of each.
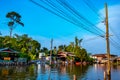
(14, 18)
(79, 52)
(45, 50)
(23, 44)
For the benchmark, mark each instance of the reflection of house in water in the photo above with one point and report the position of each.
(42, 57)
(18, 72)
(102, 58)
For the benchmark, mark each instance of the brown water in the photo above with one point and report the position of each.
(57, 72)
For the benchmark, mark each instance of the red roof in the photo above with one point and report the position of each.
(102, 55)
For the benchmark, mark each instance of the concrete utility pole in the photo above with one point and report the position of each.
(107, 43)
(51, 51)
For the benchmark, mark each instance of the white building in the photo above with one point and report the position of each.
(41, 55)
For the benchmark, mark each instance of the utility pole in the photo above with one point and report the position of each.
(51, 51)
(107, 43)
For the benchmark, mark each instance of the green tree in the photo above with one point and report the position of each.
(1, 41)
(6, 41)
(25, 45)
(76, 41)
(83, 55)
(55, 50)
(80, 53)
(60, 48)
(15, 19)
(70, 47)
(80, 41)
(28, 46)
(35, 48)
(45, 50)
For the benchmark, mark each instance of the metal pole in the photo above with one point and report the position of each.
(51, 51)
(107, 42)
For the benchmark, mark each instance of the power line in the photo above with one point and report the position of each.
(63, 16)
(115, 43)
(92, 7)
(116, 35)
(52, 12)
(71, 9)
(73, 22)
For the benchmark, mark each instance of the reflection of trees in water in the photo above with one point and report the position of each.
(18, 72)
(43, 70)
(70, 70)
(79, 71)
(61, 69)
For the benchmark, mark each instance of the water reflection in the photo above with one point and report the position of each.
(61, 72)
(79, 71)
(57, 72)
(18, 72)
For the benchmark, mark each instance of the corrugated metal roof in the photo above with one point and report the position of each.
(8, 50)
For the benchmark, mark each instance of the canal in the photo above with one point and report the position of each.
(57, 72)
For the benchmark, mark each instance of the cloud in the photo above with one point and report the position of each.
(113, 14)
(93, 44)
(114, 20)
(99, 45)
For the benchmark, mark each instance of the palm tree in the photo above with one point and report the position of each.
(80, 40)
(0, 33)
(76, 42)
(15, 18)
(55, 50)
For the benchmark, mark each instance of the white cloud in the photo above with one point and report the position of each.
(93, 44)
(99, 45)
(113, 13)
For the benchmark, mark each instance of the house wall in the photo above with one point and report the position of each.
(102, 58)
(99, 58)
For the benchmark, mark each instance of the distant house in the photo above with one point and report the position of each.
(118, 59)
(8, 54)
(63, 55)
(7, 50)
(102, 58)
(42, 57)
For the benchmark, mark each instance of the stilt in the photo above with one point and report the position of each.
(105, 78)
(74, 77)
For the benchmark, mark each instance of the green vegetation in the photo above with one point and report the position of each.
(30, 48)
(79, 52)
(25, 45)
(14, 19)
(75, 48)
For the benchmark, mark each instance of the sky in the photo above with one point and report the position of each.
(43, 25)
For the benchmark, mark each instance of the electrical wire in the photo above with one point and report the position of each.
(70, 8)
(65, 16)
(93, 8)
(64, 10)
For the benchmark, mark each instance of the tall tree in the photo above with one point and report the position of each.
(80, 41)
(45, 50)
(0, 33)
(60, 48)
(15, 19)
(76, 42)
(55, 50)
